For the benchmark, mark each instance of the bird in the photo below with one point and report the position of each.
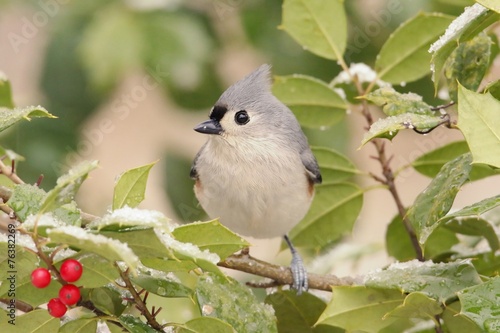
(256, 172)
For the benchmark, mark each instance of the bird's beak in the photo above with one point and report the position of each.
(210, 126)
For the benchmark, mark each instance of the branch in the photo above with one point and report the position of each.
(279, 274)
(139, 302)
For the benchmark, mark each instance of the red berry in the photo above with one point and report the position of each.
(56, 308)
(71, 270)
(69, 294)
(40, 277)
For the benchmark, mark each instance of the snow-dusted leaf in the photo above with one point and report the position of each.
(417, 305)
(108, 248)
(37, 321)
(234, 303)
(430, 163)
(439, 281)
(169, 265)
(436, 200)
(127, 219)
(319, 26)
(390, 126)
(334, 210)
(467, 64)
(131, 186)
(478, 120)
(206, 325)
(395, 103)
(472, 21)
(335, 167)
(67, 186)
(26, 200)
(5, 92)
(9, 117)
(212, 236)
(314, 103)
(404, 56)
(360, 308)
(480, 303)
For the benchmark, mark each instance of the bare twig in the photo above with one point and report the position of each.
(139, 302)
(280, 274)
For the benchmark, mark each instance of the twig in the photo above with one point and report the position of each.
(139, 302)
(10, 172)
(279, 274)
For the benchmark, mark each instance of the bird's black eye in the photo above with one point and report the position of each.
(241, 117)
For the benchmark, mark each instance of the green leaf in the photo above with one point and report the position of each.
(334, 166)
(394, 103)
(474, 227)
(360, 308)
(67, 186)
(28, 293)
(417, 305)
(491, 4)
(334, 210)
(296, 313)
(493, 88)
(108, 248)
(37, 321)
(478, 120)
(436, 200)
(135, 325)
(319, 26)
(467, 64)
(9, 117)
(26, 200)
(16, 260)
(430, 163)
(390, 126)
(234, 303)
(82, 325)
(98, 271)
(474, 20)
(439, 281)
(314, 103)
(480, 303)
(5, 92)
(404, 57)
(107, 300)
(212, 236)
(161, 284)
(456, 322)
(131, 186)
(399, 246)
(206, 325)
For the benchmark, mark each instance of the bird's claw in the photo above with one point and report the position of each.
(299, 272)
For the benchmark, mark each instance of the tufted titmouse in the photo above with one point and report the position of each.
(256, 172)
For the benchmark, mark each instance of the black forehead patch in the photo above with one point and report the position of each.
(218, 111)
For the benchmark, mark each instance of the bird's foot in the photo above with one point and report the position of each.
(299, 272)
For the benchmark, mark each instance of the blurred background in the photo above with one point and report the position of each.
(129, 79)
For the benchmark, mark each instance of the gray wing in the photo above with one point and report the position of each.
(311, 165)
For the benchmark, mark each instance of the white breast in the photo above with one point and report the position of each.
(253, 192)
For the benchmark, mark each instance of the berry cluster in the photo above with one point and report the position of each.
(69, 294)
